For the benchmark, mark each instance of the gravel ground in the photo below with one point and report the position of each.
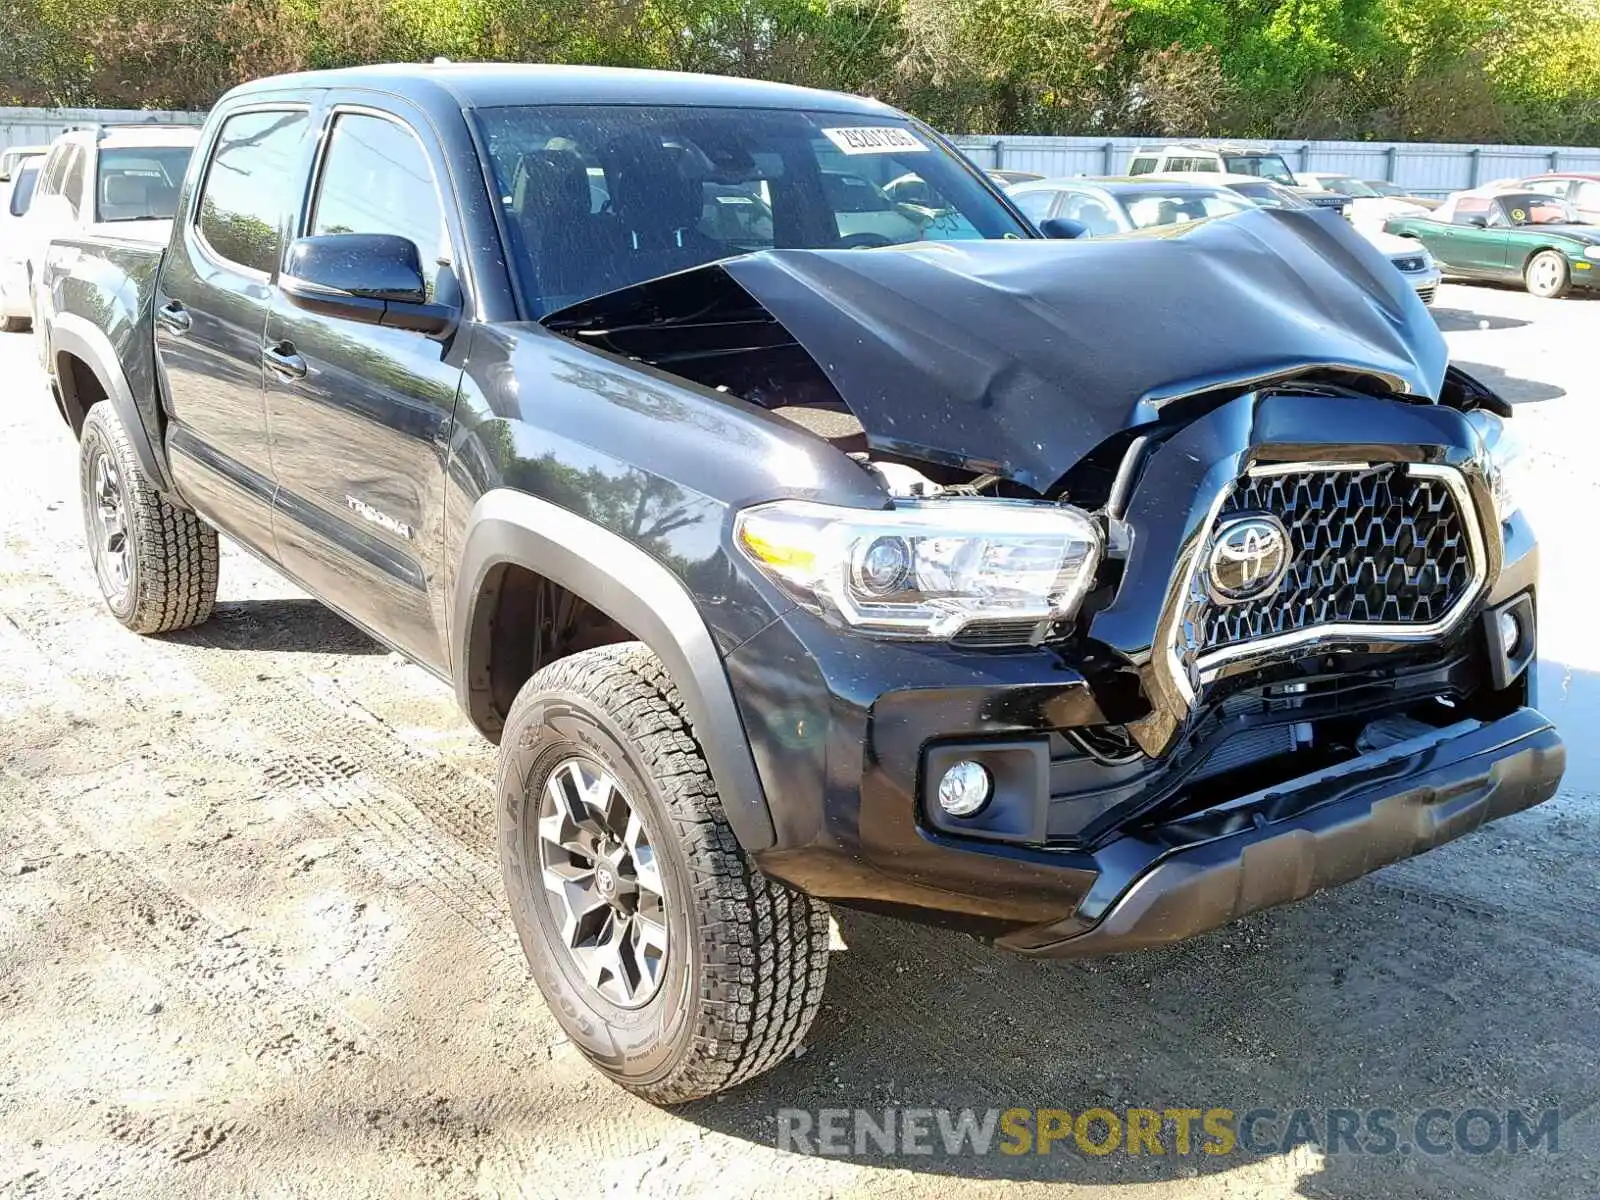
(252, 939)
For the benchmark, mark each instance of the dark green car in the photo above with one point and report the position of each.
(1510, 236)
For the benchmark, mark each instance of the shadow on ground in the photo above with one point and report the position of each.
(1513, 387)
(297, 626)
(1461, 320)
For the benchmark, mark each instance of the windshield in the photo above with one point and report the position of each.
(599, 197)
(1536, 209)
(1267, 194)
(1348, 186)
(22, 189)
(1158, 207)
(1268, 166)
(140, 183)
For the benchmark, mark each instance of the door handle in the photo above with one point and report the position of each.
(283, 362)
(174, 318)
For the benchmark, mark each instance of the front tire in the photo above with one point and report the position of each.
(1547, 274)
(665, 955)
(156, 563)
(14, 324)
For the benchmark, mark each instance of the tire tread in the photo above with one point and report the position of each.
(177, 555)
(764, 947)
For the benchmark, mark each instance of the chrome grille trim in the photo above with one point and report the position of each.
(1208, 666)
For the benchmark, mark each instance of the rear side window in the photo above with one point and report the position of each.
(55, 169)
(247, 187)
(22, 190)
(376, 179)
(72, 182)
(1142, 165)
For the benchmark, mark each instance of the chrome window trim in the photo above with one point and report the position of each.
(1208, 665)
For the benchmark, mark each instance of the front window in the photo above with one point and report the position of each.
(1097, 214)
(1161, 207)
(140, 183)
(598, 197)
(376, 178)
(1267, 166)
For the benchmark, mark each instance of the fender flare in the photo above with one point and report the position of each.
(71, 334)
(615, 576)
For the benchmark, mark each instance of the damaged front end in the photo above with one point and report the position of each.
(1167, 522)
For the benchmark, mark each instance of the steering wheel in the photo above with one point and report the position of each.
(863, 241)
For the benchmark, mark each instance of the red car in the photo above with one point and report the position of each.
(1580, 189)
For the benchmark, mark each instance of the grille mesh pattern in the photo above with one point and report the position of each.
(1369, 546)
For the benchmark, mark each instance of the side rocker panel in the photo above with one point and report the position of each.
(633, 589)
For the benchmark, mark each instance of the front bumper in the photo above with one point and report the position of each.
(1313, 833)
(1425, 283)
(848, 731)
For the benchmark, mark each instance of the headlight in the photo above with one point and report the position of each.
(1592, 252)
(1501, 460)
(926, 568)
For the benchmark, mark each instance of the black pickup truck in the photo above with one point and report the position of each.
(1083, 595)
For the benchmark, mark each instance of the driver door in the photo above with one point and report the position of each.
(1471, 244)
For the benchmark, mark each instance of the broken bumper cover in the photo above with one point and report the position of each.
(1294, 839)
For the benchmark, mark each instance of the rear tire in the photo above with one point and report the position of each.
(1547, 274)
(156, 563)
(688, 971)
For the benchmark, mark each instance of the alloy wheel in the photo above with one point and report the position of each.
(603, 878)
(107, 514)
(1546, 273)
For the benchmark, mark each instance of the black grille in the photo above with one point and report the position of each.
(1366, 546)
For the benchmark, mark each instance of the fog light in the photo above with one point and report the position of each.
(1510, 634)
(965, 789)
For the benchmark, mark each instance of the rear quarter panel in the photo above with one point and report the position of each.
(108, 283)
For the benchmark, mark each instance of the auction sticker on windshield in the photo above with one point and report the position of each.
(875, 139)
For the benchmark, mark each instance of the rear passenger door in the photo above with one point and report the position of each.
(361, 415)
(211, 308)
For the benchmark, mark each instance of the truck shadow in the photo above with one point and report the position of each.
(1513, 387)
(295, 625)
(1403, 991)
(1463, 320)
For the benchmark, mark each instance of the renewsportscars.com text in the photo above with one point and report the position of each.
(1435, 1132)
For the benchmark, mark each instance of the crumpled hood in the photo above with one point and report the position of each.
(1019, 357)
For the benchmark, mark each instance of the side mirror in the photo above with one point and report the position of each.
(1479, 220)
(374, 278)
(1063, 228)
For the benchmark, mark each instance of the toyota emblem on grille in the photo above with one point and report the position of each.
(1249, 555)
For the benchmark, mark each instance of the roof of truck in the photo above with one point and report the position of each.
(495, 85)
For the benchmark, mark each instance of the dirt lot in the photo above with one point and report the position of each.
(251, 937)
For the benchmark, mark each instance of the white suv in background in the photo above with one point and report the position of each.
(119, 180)
(1191, 158)
(1369, 208)
(16, 194)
